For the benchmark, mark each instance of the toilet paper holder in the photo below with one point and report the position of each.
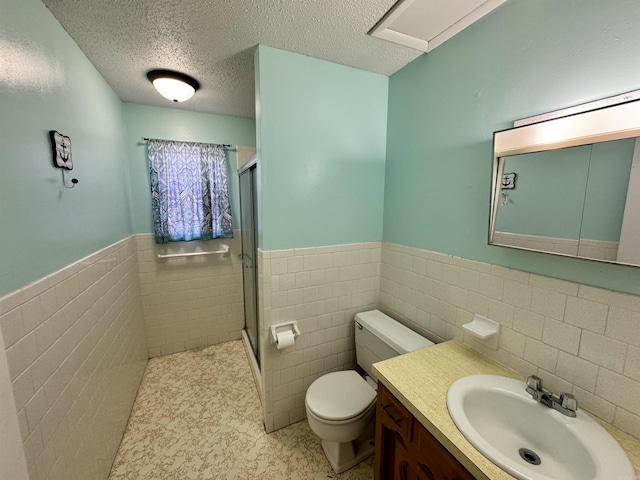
(283, 327)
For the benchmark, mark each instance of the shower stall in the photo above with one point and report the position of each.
(249, 221)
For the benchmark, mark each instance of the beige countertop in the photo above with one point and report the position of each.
(420, 380)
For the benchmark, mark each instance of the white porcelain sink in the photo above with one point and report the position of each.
(514, 431)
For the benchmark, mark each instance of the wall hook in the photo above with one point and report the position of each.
(74, 181)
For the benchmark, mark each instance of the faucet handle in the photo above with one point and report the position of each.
(534, 383)
(568, 402)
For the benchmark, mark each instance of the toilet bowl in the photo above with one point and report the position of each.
(340, 410)
(340, 406)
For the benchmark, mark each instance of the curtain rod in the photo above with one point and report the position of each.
(203, 143)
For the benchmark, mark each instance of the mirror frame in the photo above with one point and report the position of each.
(613, 122)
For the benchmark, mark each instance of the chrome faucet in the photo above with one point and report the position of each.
(564, 403)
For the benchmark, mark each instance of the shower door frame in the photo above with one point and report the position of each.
(250, 261)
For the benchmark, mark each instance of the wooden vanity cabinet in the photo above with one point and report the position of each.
(405, 450)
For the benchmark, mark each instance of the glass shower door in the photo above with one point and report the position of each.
(248, 219)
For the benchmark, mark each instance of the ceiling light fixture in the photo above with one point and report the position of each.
(175, 86)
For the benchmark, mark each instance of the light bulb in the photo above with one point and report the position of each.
(173, 89)
(173, 85)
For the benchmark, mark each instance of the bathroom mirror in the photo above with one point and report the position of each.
(570, 186)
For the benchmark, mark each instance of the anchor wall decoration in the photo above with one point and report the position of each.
(61, 149)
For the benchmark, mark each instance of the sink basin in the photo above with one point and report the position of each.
(529, 440)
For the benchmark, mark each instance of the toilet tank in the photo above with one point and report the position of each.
(379, 337)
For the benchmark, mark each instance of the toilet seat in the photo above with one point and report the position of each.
(339, 396)
(349, 421)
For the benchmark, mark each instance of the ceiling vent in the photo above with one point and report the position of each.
(425, 24)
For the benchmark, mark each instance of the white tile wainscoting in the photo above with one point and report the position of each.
(76, 352)
(12, 462)
(578, 338)
(75, 343)
(322, 288)
(190, 302)
(586, 248)
(598, 249)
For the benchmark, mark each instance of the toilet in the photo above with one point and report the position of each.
(341, 405)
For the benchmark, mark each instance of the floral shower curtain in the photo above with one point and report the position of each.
(189, 191)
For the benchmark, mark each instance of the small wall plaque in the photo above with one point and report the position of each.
(509, 181)
(61, 146)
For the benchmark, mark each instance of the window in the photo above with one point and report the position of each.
(189, 191)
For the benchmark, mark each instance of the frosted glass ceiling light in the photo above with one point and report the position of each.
(175, 86)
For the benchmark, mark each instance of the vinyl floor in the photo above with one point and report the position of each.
(197, 416)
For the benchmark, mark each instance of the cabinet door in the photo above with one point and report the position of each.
(386, 447)
(393, 430)
(405, 450)
(395, 415)
(406, 468)
(431, 456)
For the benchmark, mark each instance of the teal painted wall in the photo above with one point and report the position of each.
(572, 193)
(322, 140)
(153, 122)
(46, 83)
(523, 59)
(549, 193)
(606, 195)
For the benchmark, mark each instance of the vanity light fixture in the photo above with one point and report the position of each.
(175, 86)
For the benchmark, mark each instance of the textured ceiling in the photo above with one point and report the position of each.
(214, 42)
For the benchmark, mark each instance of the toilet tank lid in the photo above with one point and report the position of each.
(392, 332)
